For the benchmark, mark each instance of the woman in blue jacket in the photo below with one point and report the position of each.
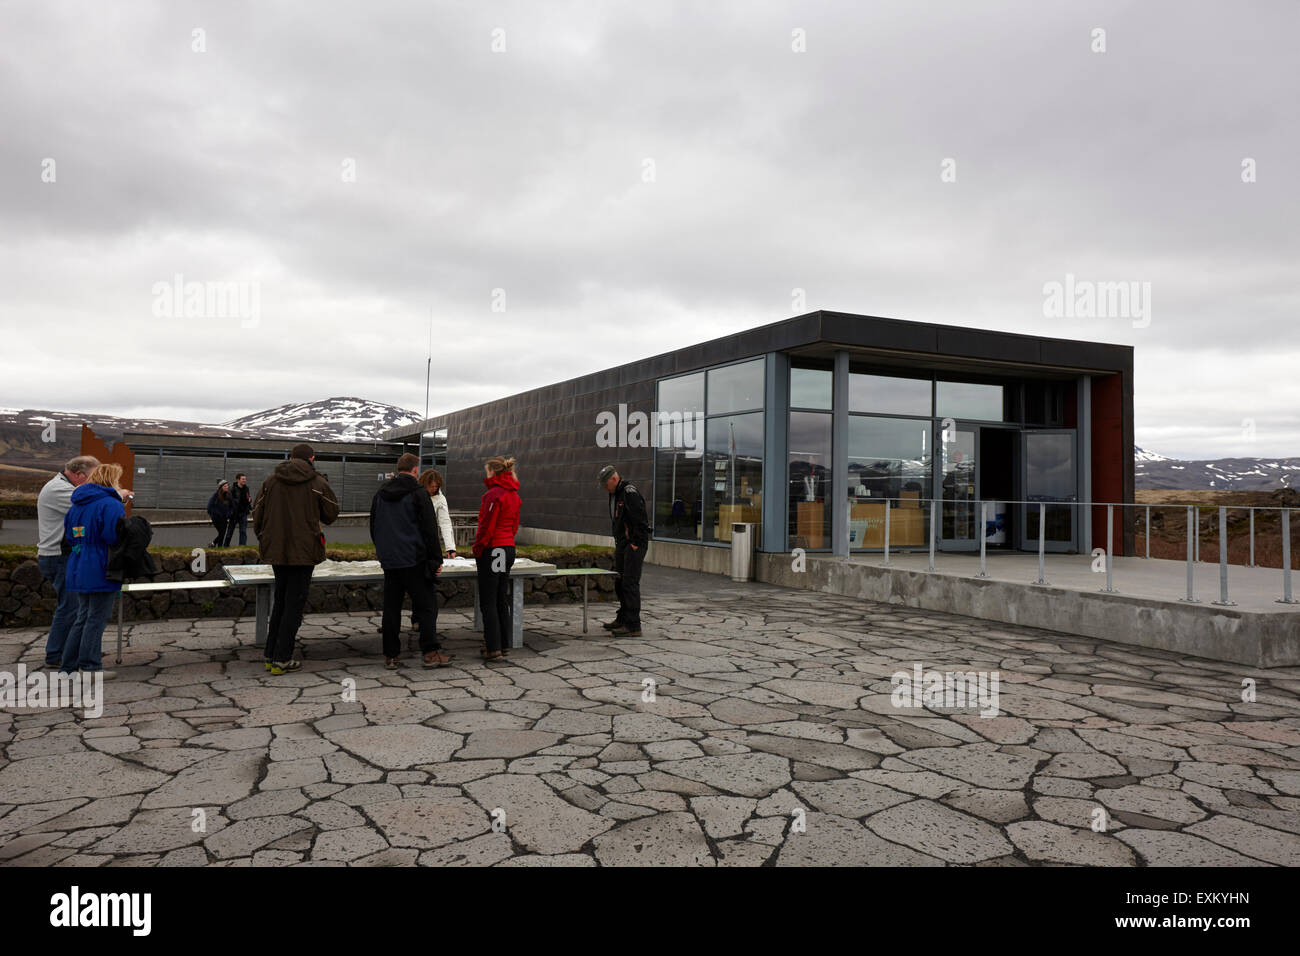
(91, 529)
(221, 509)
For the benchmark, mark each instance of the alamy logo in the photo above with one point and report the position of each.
(74, 908)
(1085, 299)
(951, 689)
(661, 429)
(53, 689)
(208, 300)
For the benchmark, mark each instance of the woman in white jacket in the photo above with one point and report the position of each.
(432, 482)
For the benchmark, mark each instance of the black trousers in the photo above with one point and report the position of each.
(627, 562)
(221, 538)
(399, 582)
(291, 584)
(494, 596)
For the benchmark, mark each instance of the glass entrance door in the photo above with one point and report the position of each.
(958, 483)
(1050, 475)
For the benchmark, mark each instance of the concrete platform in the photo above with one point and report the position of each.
(1145, 610)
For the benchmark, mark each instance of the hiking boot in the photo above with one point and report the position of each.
(612, 625)
(624, 631)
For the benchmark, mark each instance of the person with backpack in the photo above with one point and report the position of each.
(405, 532)
(494, 554)
(52, 507)
(220, 508)
(91, 529)
(291, 506)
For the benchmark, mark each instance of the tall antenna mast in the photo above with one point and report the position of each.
(428, 368)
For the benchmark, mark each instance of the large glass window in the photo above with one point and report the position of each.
(809, 485)
(684, 394)
(709, 470)
(887, 395)
(968, 400)
(734, 468)
(890, 465)
(810, 388)
(736, 388)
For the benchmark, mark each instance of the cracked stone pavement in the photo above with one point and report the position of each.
(770, 738)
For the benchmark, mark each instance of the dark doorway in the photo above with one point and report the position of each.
(999, 448)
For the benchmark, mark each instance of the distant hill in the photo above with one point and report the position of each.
(1231, 474)
(333, 419)
(25, 433)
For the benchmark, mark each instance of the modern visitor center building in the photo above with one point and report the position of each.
(811, 428)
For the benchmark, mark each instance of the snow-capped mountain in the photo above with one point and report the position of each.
(40, 438)
(333, 419)
(1141, 454)
(1230, 474)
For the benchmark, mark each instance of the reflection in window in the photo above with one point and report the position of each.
(810, 388)
(734, 467)
(889, 459)
(967, 400)
(887, 395)
(736, 388)
(809, 485)
(684, 394)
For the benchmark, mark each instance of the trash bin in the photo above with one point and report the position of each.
(742, 551)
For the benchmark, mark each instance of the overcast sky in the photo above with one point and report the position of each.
(638, 176)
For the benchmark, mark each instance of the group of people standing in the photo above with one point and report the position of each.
(229, 508)
(79, 513)
(80, 509)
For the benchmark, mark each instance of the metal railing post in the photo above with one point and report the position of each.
(1223, 560)
(1042, 542)
(1191, 598)
(887, 510)
(1148, 531)
(1198, 534)
(984, 537)
(1110, 549)
(1252, 539)
(1286, 558)
(933, 510)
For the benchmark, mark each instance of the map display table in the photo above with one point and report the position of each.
(262, 578)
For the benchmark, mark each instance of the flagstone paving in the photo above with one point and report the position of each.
(750, 726)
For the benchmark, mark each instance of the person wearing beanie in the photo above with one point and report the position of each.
(292, 504)
(631, 530)
(220, 508)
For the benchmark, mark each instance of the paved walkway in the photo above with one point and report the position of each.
(770, 737)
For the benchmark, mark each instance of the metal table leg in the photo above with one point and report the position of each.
(517, 612)
(584, 602)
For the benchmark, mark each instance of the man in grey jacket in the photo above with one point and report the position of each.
(52, 505)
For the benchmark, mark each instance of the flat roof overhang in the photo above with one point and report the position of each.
(892, 343)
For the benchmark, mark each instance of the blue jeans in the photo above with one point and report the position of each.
(83, 648)
(53, 567)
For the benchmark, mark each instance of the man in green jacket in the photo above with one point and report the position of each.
(291, 506)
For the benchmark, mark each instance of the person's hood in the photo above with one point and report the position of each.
(504, 480)
(88, 492)
(398, 487)
(295, 471)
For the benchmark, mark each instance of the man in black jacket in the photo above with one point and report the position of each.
(405, 532)
(631, 530)
(241, 506)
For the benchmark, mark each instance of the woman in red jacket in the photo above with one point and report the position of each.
(494, 553)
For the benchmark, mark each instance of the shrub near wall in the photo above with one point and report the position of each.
(27, 600)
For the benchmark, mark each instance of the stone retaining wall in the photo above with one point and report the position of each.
(27, 600)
